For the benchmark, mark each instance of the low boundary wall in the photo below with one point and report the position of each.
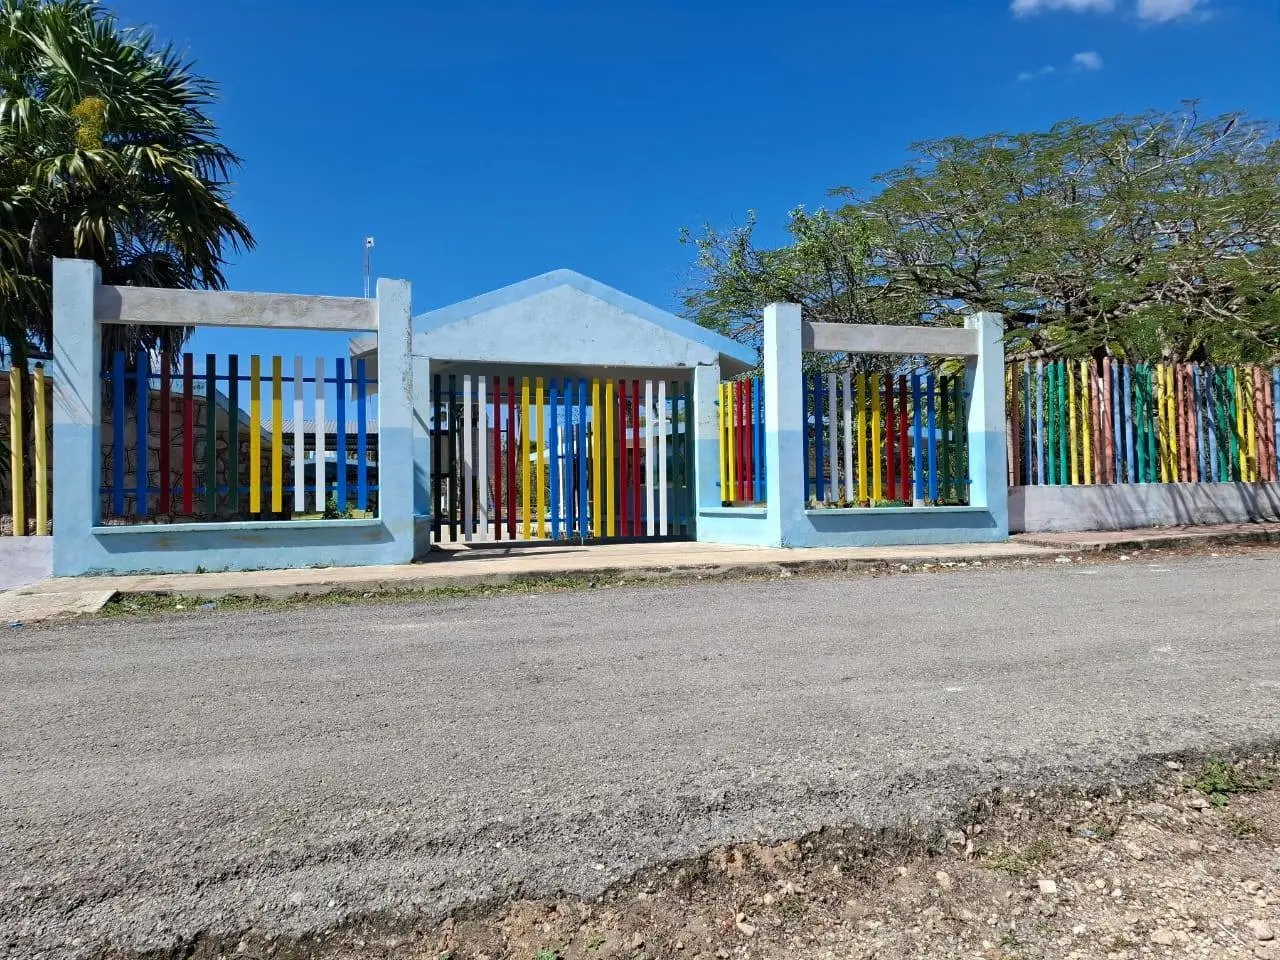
(1058, 509)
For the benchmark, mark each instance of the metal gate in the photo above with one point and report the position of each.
(528, 458)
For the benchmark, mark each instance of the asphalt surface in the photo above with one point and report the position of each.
(216, 772)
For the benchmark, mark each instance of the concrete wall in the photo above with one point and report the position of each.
(787, 520)
(1046, 509)
(82, 544)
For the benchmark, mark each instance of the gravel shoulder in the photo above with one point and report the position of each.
(173, 781)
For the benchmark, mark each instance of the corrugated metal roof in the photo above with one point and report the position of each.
(331, 426)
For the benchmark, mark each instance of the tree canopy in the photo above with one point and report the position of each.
(1152, 236)
(106, 153)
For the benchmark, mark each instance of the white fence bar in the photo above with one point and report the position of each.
(833, 434)
(482, 458)
(664, 426)
(321, 486)
(299, 439)
(848, 438)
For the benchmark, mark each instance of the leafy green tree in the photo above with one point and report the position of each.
(106, 153)
(1146, 237)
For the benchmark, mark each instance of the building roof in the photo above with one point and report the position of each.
(563, 318)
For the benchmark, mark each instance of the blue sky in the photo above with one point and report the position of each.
(485, 143)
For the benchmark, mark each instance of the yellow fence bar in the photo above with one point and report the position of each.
(42, 453)
(610, 491)
(541, 471)
(729, 448)
(877, 484)
(1086, 418)
(1250, 424)
(526, 494)
(722, 431)
(277, 438)
(16, 462)
(862, 437)
(596, 519)
(1171, 422)
(255, 435)
(1241, 456)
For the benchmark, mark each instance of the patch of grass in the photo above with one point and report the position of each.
(793, 907)
(1038, 851)
(595, 942)
(1018, 862)
(1241, 828)
(129, 604)
(546, 953)
(1220, 780)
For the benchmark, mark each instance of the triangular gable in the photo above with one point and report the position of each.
(565, 318)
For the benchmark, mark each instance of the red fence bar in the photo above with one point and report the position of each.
(749, 440)
(904, 444)
(497, 458)
(511, 458)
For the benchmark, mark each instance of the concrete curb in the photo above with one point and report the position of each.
(34, 604)
(587, 578)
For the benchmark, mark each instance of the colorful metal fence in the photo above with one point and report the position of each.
(522, 458)
(886, 439)
(741, 424)
(180, 446)
(1090, 422)
(26, 449)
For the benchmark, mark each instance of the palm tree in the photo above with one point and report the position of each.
(106, 153)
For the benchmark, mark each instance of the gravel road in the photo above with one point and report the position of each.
(282, 770)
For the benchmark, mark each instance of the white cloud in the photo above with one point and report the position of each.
(1087, 60)
(1160, 11)
(1152, 11)
(1022, 8)
(1027, 75)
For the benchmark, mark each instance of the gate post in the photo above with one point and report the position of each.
(77, 411)
(396, 479)
(988, 480)
(784, 446)
(706, 468)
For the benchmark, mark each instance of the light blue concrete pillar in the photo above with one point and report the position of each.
(706, 432)
(985, 373)
(784, 447)
(396, 430)
(77, 412)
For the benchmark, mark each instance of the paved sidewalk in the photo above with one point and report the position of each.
(462, 565)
